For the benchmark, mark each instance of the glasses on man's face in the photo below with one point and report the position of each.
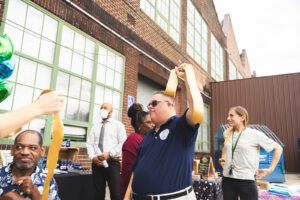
(155, 102)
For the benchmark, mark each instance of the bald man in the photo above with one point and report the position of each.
(104, 146)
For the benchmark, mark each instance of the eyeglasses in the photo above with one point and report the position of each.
(155, 102)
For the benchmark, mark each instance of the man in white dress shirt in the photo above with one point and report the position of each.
(104, 146)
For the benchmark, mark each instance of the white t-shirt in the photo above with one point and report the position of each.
(246, 154)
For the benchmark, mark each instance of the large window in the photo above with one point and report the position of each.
(232, 71)
(51, 54)
(167, 14)
(217, 60)
(203, 138)
(196, 35)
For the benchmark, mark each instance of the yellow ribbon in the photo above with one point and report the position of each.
(57, 138)
(191, 82)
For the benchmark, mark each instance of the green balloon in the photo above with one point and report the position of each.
(6, 48)
(5, 90)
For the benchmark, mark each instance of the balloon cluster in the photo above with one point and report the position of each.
(7, 66)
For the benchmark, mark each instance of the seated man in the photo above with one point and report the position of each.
(24, 179)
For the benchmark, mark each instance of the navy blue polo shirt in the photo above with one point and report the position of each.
(164, 161)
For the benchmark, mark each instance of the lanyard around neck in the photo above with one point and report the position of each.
(237, 140)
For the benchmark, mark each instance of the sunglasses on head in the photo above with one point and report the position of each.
(155, 102)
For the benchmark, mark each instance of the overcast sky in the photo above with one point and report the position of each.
(269, 30)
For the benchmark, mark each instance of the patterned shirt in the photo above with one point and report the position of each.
(37, 177)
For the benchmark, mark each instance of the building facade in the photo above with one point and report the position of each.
(96, 51)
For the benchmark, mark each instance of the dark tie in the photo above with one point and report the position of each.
(101, 138)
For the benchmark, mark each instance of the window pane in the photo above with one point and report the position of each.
(109, 77)
(23, 96)
(47, 51)
(101, 73)
(86, 88)
(102, 55)
(79, 43)
(77, 63)
(65, 58)
(89, 48)
(88, 68)
(118, 81)
(115, 115)
(15, 33)
(111, 60)
(34, 20)
(43, 78)
(99, 94)
(36, 94)
(96, 115)
(74, 90)
(119, 64)
(31, 44)
(116, 100)
(38, 125)
(50, 28)
(17, 11)
(72, 109)
(108, 95)
(84, 111)
(26, 74)
(67, 37)
(62, 82)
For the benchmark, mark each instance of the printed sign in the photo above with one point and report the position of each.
(130, 101)
(204, 165)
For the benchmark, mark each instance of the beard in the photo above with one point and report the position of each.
(23, 166)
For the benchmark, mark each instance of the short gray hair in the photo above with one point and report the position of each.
(161, 92)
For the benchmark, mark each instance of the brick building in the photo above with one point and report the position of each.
(96, 51)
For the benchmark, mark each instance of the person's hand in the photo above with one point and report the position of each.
(262, 173)
(27, 186)
(104, 156)
(97, 161)
(49, 103)
(222, 162)
(180, 71)
(12, 195)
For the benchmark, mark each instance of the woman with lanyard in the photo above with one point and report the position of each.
(240, 157)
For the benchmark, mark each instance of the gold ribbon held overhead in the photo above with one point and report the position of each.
(57, 138)
(192, 85)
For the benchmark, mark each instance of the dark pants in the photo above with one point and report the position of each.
(111, 175)
(234, 188)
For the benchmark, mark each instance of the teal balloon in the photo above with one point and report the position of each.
(5, 90)
(6, 69)
(6, 48)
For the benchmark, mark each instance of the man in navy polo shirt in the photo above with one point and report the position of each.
(164, 162)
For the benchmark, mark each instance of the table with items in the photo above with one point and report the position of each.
(75, 185)
(208, 190)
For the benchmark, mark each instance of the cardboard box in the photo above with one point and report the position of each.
(69, 153)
